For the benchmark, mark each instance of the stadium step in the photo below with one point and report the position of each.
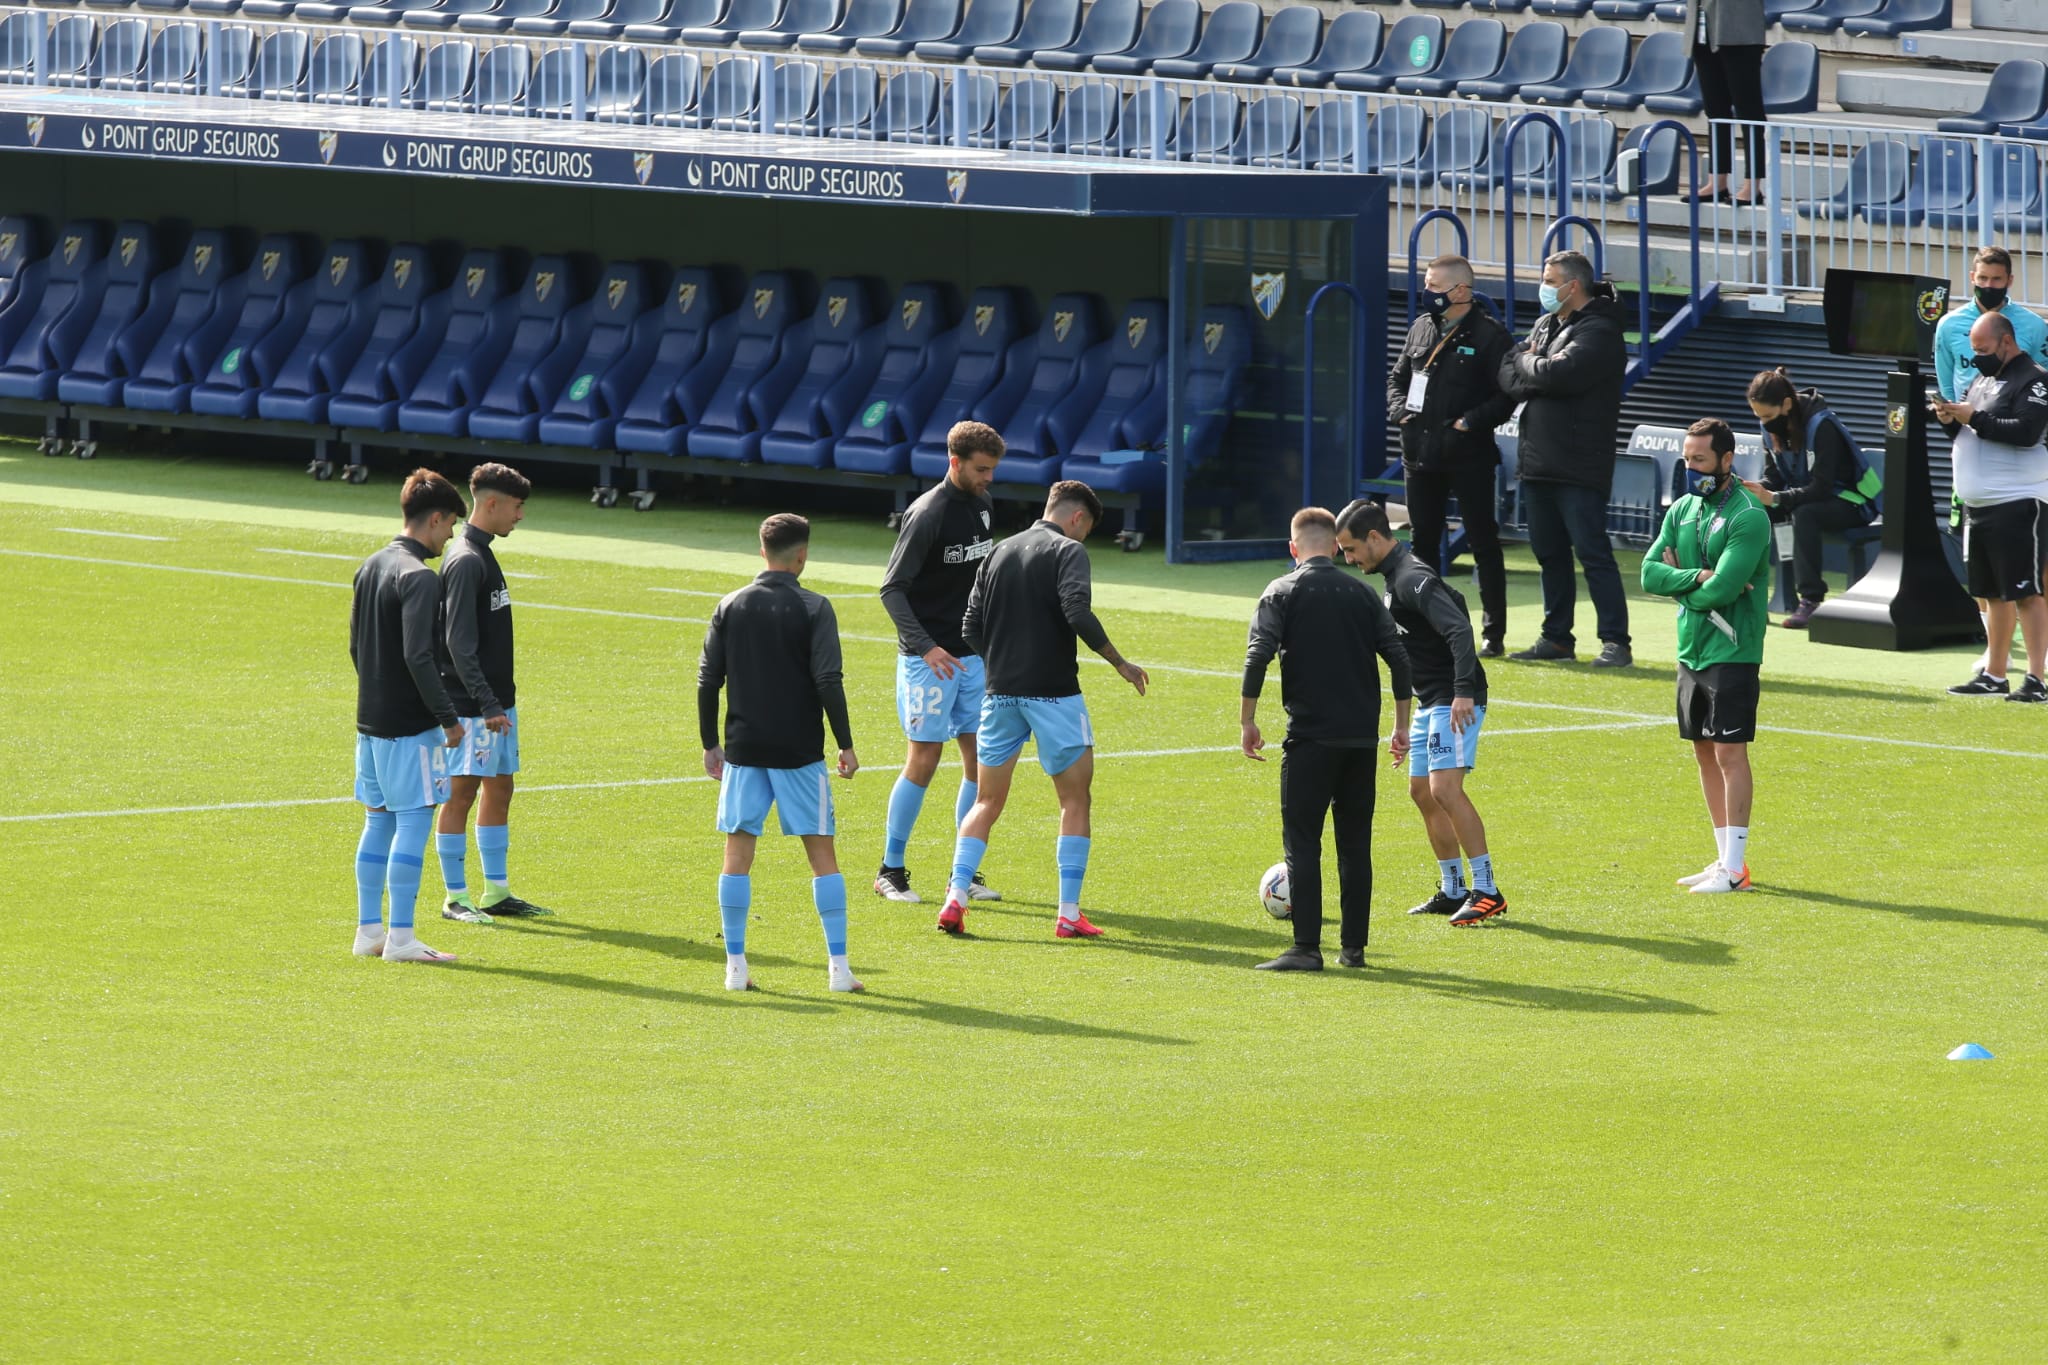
(2016, 16)
(1973, 47)
(1896, 90)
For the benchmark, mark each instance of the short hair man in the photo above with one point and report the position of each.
(773, 647)
(1445, 394)
(1712, 555)
(1031, 601)
(1450, 707)
(1325, 626)
(1569, 374)
(405, 721)
(2001, 475)
(477, 607)
(940, 680)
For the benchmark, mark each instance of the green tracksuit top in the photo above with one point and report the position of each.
(1731, 533)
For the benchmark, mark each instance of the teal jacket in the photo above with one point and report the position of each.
(1734, 539)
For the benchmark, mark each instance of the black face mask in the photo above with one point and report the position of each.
(1435, 303)
(1987, 365)
(1991, 300)
(1780, 426)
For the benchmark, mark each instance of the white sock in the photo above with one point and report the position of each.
(735, 971)
(1738, 850)
(398, 938)
(1721, 845)
(838, 964)
(1070, 910)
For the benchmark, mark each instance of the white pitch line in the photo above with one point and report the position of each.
(116, 535)
(307, 554)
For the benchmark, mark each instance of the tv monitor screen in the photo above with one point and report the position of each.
(1870, 312)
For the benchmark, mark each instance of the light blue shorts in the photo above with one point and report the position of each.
(402, 774)
(484, 754)
(934, 709)
(1433, 747)
(802, 798)
(1060, 725)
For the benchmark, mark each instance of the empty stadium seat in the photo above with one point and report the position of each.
(846, 108)
(918, 343)
(1944, 181)
(500, 17)
(152, 347)
(445, 15)
(1208, 126)
(863, 19)
(124, 47)
(908, 108)
(1048, 24)
(1172, 28)
(798, 18)
(1293, 36)
(73, 41)
(21, 243)
(740, 17)
(727, 423)
(1529, 162)
(1791, 78)
(231, 59)
(1351, 43)
(275, 297)
(1683, 102)
(1599, 61)
(1827, 16)
(1026, 113)
(174, 57)
(2018, 94)
(335, 73)
(618, 86)
(1394, 141)
(53, 308)
(614, 19)
(1213, 361)
(1535, 55)
(1414, 46)
(1878, 176)
(462, 336)
(845, 349)
(924, 21)
(1111, 27)
(657, 21)
(1624, 9)
(1113, 379)
(563, 16)
(1148, 122)
(557, 83)
(1590, 144)
(1328, 138)
(549, 354)
(988, 23)
(795, 86)
(1088, 119)
(448, 82)
(729, 96)
(693, 334)
(983, 342)
(1458, 142)
(1663, 66)
(1039, 375)
(1270, 134)
(1564, 9)
(606, 346)
(96, 368)
(967, 110)
(1658, 167)
(281, 66)
(1473, 53)
(1774, 10)
(343, 313)
(672, 80)
(1229, 34)
(2013, 175)
(506, 395)
(502, 78)
(1902, 16)
(20, 36)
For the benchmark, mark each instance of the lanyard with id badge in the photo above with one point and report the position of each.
(1418, 381)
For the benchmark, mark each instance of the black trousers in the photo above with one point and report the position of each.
(1315, 780)
(1429, 496)
(1566, 519)
(1809, 523)
(1732, 86)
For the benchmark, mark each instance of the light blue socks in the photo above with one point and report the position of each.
(408, 856)
(373, 856)
(453, 849)
(829, 895)
(964, 802)
(906, 799)
(967, 856)
(492, 841)
(1073, 860)
(735, 897)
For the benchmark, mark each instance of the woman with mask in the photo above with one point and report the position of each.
(1815, 477)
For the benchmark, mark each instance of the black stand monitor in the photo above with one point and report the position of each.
(1910, 598)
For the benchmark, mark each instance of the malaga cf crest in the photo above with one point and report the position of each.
(270, 262)
(835, 309)
(1268, 288)
(1062, 323)
(984, 314)
(129, 246)
(202, 257)
(337, 269)
(401, 271)
(911, 308)
(956, 185)
(7, 241)
(543, 285)
(763, 300)
(613, 292)
(1212, 336)
(643, 166)
(328, 142)
(1134, 329)
(686, 296)
(35, 130)
(71, 245)
(475, 279)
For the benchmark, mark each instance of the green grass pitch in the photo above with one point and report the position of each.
(1622, 1124)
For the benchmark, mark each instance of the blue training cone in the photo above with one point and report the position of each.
(1969, 1052)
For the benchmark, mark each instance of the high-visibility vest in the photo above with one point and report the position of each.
(1864, 486)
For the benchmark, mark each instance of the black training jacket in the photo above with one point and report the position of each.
(394, 637)
(944, 538)
(1031, 601)
(1464, 382)
(1436, 626)
(2016, 412)
(774, 647)
(1570, 372)
(478, 609)
(1326, 625)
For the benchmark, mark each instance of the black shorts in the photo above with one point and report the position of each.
(1718, 703)
(2002, 547)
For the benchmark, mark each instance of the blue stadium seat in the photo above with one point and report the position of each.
(1663, 66)
(1048, 24)
(1827, 16)
(863, 19)
(500, 16)
(401, 305)
(2013, 173)
(796, 85)
(41, 329)
(654, 21)
(394, 61)
(1944, 181)
(1590, 145)
(1352, 43)
(501, 78)
(672, 81)
(1026, 113)
(445, 15)
(908, 109)
(1534, 155)
(980, 346)
(730, 95)
(1088, 118)
(1150, 111)
(2018, 94)
(1674, 11)
(1039, 375)
(1230, 34)
(1172, 28)
(565, 15)
(18, 42)
(281, 66)
(231, 59)
(918, 345)
(1473, 53)
(1293, 36)
(1658, 167)
(967, 110)
(1115, 378)
(1791, 78)
(1213, 363)
(1599, 61)
(924, 21)
(124, 47)
(613, 17)
(740, 16)
(1458, 142)
(463, 335)
(337, 325)
(206, 305)
(1682, 102)
(276, 296)
(845, 348)
(1902, 16)
(846, 108)
(96, 369)
(1111, 27)
(1514, 6)
(1394, 142)
(988, 22)
(1775, 10)
(217, 8)
(798, 18)
(1208, 126)
(448, 80)
(724, 423)
(618, 85)
(565, 341)
(1878, 175)
(383, 14)
(1564, 9)
(174, 57)
(1414, 47)
(692, 324)
(73, 42)
(1328, 138)
(1624, 9)
(335, 73)
(1535, 55)
(556, 77)
(21, 242)
(611, 349)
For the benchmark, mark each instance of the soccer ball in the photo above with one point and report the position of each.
(1276, 892)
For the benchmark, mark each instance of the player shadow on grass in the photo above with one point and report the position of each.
(1776, 684)
(662, 945)
(972, 1016)
(634, 990)
(1692, 952)
(1947, 914)
(1523, 995)
(1185, 940)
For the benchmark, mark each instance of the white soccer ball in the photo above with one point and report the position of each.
(1276, 892)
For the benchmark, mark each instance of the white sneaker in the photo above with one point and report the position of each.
(844, 981)
(1705, 874)
(893, 883)
(1722, 881)
(414, 951)
(370, 941)
(979, 890)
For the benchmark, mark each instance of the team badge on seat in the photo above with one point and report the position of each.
(911, 309)
(763, 299)
(71, 245)
(1212, 336)
(270, 262)
(476, 279)
(835, 308)
(686, 297)
(1062, 323)
(401, 271)
(337, 268)
(1134, 328)
(1268, 288)
(613, 292)
(984, 314)
(543, 285)
(202, 257)
(129, 246)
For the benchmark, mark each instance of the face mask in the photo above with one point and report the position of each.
(1547, 296)
(1435, 303)
(1780, 426)
(1989, 299)
(1987, 365)
(1698, 484)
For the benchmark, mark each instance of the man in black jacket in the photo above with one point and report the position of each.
(777, 646)
(1569, 373)
(1445, 395)
(1326, 626)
